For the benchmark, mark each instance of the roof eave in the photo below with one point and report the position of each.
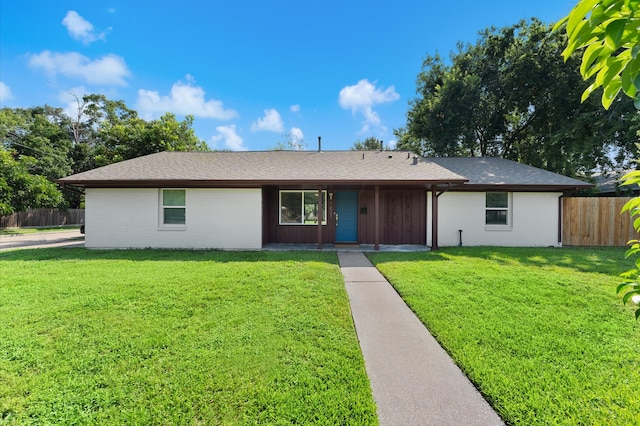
(162, 183)
(522, 187)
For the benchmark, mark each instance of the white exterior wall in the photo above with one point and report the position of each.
(534, 220)
(215, 218)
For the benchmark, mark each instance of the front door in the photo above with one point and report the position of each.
(346, 216)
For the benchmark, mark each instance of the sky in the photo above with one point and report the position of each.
(252, 73)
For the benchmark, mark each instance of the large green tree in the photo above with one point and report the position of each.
(115, 132)
(41, 144)
(20, 189)
(511, 95)
(41, 133)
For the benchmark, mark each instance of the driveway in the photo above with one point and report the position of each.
(72, 238)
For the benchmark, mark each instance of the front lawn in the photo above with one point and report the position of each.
(178, 337)
(541, 332)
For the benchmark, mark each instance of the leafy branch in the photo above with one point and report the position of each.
(608, 31)
(631, 283)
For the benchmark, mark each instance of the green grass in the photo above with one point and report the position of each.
(540, 332)
(25, 231)
(178, 337)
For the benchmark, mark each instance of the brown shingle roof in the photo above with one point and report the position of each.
(483, 172)
(256, 168)
(265, 167)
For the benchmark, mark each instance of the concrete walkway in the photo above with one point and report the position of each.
(70, 238)
(414, 381)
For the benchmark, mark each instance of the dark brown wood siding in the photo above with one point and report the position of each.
(273, 232)
(403, 216)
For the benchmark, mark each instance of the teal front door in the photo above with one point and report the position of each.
(346, 216)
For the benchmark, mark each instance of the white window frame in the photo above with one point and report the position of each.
(302, 191)
(162, 207)
(508, 210)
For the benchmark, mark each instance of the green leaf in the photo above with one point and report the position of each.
(595, 67)
(628, 84)
(631, 252)
(577, 40)
(621, 287)
(629, 295)
(577, 15)
(598, 15)
(629, 275)
(589, 57)
(610, 92)
(630, 179)
(588, 91)
(613, 33)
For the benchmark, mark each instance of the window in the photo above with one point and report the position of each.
(301, 207)
(497, 208)
(173, 206)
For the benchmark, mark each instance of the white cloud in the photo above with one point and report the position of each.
(109, 69)
(271, 122)
(297, 134)
(231, 139)
(80, 29)
(184, 99)
(362, 97)
(295, 108)
(5, 92)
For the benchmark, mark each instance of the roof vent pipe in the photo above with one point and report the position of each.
(319, 143)
(415, 160)
(381, 146)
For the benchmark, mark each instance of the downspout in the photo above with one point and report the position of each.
(320, 215)
(560, 203)
(376, 219)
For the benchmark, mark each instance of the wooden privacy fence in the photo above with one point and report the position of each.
(596, 221)
(43, 217)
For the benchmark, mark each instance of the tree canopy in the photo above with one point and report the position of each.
(369, 144)
(43, 143)
(512, 95)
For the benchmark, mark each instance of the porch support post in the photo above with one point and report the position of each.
(434, 218)
(376, 219)
(320, 217)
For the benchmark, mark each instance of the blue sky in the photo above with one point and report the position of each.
(249, 71)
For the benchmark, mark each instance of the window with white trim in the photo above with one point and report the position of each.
(298, 207)
(173, 207)
(497, 209)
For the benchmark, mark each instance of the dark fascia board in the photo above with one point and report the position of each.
(521, 188)
(453, 185)
(255, 183)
